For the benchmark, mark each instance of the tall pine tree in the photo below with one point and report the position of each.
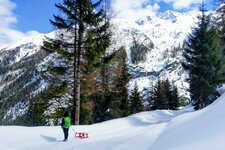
(120, 89)
(203, 61)
(83, 37)
(111, 94)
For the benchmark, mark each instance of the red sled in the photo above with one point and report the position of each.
(81, 135)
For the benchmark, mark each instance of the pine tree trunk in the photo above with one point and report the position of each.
(78, 70)
(77, 86)
(74, 74)
(77, 94)
(105, 89)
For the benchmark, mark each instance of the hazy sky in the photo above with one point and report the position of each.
(19, 18)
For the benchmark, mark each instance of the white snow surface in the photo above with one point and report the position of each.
(184, 129)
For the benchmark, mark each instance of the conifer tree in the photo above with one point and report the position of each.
(111, 95)
(136, 103)
(156, 97)
(83, 37)
(174, 98)
(166, 93)
(149, 96)
(121, 82)
(124, 80)
(164, 96)
(203, 61)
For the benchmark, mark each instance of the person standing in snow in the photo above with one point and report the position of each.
(65, 124)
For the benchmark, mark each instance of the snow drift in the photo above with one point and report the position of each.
(200, 130)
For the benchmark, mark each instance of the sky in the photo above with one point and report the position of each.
(34, 14)
(22, 18)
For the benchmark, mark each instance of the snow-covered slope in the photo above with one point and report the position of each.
(157, 130)
(201, 130)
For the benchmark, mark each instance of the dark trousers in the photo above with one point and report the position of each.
(66, 133)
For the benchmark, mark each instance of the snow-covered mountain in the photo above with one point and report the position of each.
(157, 40)
(167, 31)
(20, 79)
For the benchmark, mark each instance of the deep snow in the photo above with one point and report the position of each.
(155, 130)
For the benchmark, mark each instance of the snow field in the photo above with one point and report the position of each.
(138, 131)
(184, 129)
